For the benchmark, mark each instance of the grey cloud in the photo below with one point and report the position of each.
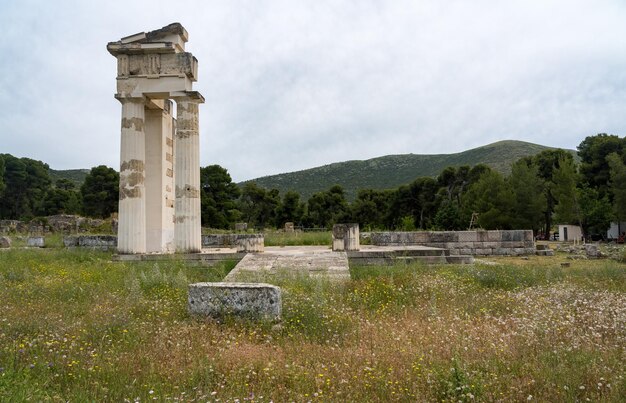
(291, 85)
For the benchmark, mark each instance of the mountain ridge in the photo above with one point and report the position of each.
(391, 171)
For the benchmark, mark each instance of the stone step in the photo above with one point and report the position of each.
(398, 253)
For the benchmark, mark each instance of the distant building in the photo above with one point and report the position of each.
(570, 233)
(615, 230)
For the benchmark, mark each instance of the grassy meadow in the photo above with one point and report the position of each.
(75, 326)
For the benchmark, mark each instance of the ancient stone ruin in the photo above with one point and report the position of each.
(159, 209)
(254, 300)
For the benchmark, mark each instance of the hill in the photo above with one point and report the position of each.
(391, 171)
(75, 175)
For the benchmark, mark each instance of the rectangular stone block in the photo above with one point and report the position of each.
(513, 236)
(486, 244)
(468, 236)
(494, 236)
(103, 242)
(346, 237)
(70, 241)
(443, 236)
(250, 243)
(251, 300)
(419, 237)
(35, 242)
(483, 251)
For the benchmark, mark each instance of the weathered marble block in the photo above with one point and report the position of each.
(35, 242)
(103, 242)
(250, 243)
(346, 237)
(252, 300)
(219, 240)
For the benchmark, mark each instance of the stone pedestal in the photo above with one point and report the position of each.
(346, 237)
(254, 243)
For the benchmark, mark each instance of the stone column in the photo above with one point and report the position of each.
(131, 230)
(187, 177)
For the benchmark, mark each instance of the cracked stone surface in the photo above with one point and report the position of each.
(311, 261)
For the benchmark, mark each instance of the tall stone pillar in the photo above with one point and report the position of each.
(131, 233)
(187, 177)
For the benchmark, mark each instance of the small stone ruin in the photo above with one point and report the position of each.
(252, 300)
(346, 237)
(5, 242)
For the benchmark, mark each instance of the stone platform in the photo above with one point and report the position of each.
(384, 255)
(207, 256)
(307, 261)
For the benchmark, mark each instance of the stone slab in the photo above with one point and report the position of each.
(251, 300)
(5, 242)
(307, 261)
(35, 242)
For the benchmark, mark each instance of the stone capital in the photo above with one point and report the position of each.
(129, 99)
(187, 96)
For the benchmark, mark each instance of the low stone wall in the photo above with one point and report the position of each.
(63, 223)
(103, 242)
(219, 240)
(216, 300)
(243, 242)
(12, 227)
(482, 243)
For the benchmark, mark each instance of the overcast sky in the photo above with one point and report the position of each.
(290, 85)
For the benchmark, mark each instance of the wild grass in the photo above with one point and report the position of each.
(280, 238)
(75, 326)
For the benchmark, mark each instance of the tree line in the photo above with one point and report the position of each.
(541, 190)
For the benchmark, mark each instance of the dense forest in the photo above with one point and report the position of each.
(541, 190)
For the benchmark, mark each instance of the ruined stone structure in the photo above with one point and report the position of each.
(346, 237)
(253, 300)
(159, 208)
(482, 243)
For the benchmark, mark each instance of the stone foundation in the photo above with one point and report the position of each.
(243, 242)
(104, 242)
(483, 243)
(253, 300)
